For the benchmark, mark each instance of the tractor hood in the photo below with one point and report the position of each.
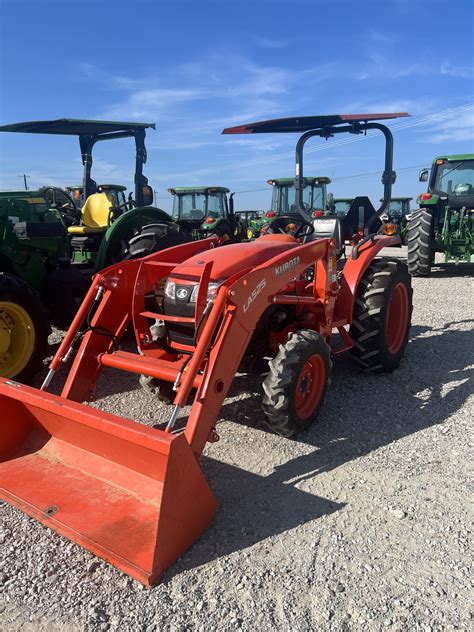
(234, 258)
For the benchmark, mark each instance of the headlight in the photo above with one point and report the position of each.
(211, 291)
(170, 290)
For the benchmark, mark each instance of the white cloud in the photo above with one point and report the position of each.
(463, 72)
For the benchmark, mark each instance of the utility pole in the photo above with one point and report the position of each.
(24, 176)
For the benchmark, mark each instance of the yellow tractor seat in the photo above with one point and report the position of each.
(94, 215)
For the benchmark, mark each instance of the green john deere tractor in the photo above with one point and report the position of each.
(315, 198)
(205, 211)
(445, 220)
(252, 222)
(396, 215)
(49, 251)
(341, 206)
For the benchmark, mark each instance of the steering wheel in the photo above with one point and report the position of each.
(282, 225)
(116, 211)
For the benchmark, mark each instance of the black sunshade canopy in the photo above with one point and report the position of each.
(306, 123)
(74, 127)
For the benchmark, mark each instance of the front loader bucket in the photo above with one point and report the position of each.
(131, 494)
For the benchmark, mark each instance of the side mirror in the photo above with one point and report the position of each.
(147, 193)
(423, 176)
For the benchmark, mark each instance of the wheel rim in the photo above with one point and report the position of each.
(249, 233)
(397, 318)
(17, 339)
(310, 386)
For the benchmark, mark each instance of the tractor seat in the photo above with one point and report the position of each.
(94, 216)
(329, 228)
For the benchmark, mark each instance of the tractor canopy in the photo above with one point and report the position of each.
(89, 133)
(327, 126)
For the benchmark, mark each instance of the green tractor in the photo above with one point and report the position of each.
(50, 250)
(205, 211)
(315, 198)
(252, 222)
(444, 221)
(396, 215)
(341, 206)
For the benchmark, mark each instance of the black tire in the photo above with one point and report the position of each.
(223, 230)
(283, 415)
(15, 290)
(382, 316)
(153, 238)
(419, 238)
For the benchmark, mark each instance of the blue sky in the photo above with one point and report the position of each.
(194, 68)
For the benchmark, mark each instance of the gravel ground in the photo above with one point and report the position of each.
(363, 524)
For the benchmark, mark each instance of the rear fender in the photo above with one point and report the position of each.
(123, 228)
(354, 270)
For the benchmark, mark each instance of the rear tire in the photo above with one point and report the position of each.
(296, 385)
(24, 329)
(153, 238)
(419, 239)
(382, 316)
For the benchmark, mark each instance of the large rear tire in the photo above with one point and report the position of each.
(24, 329)
(382, 316)
(419, 236)
(153, 238)
(296, 385)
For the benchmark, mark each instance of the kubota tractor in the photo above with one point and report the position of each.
(49, 248)
(445, 220)
(135, 495)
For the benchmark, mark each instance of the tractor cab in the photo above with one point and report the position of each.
(395, 217)
(314, 198)
(115, 193)
(205, 211)
(451, 177)
(314, 195)
(398, 207)
(341, 206)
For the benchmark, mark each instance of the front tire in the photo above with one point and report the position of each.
(419, 239)
(382, 316)
(296, 385)
(24, 329)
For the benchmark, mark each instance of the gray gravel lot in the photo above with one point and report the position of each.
(363, 524)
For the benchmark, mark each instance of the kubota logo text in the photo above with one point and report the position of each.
(284, 267)
(254, 294)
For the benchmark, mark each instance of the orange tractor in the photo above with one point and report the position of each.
(135, 495)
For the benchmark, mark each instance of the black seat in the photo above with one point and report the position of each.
(358, 216)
